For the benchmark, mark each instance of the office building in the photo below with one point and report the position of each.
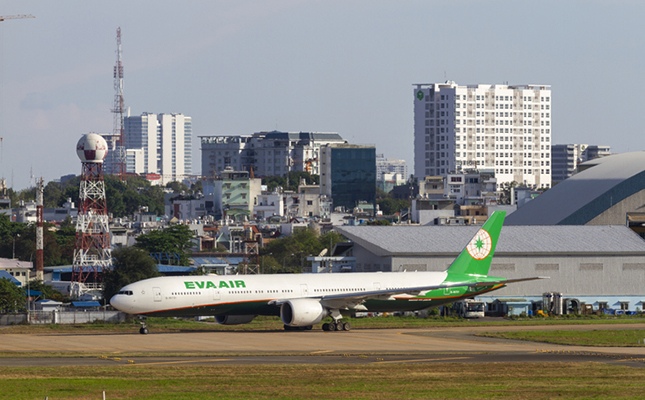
(165, 141)
(503, 128)
(348, 174)
(266, 153)
(566, 157)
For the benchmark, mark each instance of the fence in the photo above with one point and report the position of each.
(62, 317)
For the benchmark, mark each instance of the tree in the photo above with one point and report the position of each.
(177, 187)
(380, 222)
(295, 177)
(287, 254)
(392, 206)
(47, 291)
(130, 264)
(505, 197)
(176, 239)
(12, 297)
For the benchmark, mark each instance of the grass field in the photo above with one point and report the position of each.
(613, 338)
(372, 381)
(273, 323)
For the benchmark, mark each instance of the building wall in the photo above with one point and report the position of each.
(500, 127)
(348, 174)
(166, 144)
(390, 166)
(268, 153)
(566, 158)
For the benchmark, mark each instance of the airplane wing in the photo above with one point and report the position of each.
(416, 290)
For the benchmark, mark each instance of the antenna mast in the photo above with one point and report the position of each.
(118, 157)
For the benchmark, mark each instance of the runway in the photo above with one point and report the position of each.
(430, 345)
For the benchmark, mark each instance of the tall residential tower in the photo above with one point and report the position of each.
(505, 129)
(165, 143)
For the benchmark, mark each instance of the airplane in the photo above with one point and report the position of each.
(304, 300)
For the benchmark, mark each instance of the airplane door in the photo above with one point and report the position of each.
(377, 285)
(304, 290)
(157, 293)
(216, 294)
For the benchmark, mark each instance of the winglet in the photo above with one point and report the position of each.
(476, 257)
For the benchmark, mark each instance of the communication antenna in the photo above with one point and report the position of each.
(118, 156)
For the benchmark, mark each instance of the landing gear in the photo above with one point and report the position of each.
(144, 328)
(336, 326)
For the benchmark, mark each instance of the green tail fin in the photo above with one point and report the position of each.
(475, 259)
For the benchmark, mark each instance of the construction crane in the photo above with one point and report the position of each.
(19, 16)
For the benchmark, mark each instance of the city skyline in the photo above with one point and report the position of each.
(347, 67)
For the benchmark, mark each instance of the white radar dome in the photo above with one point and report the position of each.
(92, 148)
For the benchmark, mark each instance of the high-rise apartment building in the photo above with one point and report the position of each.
(268, 153)
(566, 157)
(165, 141)
(500, 128)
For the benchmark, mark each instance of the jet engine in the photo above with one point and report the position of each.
(234, 319)
(302, 312)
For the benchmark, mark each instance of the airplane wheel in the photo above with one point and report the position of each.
(143, 331)
(332, 326)
(308, 328)
(325, 327)
(347, 326)
(339, 326)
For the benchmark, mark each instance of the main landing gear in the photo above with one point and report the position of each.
(336, 326)
(144, 328)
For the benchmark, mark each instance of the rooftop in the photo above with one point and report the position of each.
(450, 240)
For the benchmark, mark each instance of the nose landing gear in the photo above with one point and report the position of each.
(144, 328)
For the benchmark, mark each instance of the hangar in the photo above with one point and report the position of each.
(602, 193)
(600, 265)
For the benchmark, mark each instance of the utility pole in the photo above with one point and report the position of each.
(40, 187)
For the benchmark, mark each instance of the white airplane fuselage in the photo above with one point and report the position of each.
(254, 294)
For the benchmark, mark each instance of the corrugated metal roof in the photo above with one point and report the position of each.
(86, 304)
(6, 275)
(588, 239)
(174, 268)
(583, 196)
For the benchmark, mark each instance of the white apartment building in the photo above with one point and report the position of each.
(501, 128)
(390, 166)
(166, 144)
(267, 153)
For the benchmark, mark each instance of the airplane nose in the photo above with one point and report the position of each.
(119, 302)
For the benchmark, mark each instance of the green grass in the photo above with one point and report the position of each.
(600, 338)
(356, 381)
(262, 323)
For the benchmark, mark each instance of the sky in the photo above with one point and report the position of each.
(245, 66)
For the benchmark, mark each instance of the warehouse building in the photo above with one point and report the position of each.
(600, 265)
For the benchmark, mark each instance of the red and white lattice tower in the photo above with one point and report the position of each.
(92, 254)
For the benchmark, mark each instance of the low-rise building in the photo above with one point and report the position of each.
(16, 268)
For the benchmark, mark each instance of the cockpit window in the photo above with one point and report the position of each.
(126, 292)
